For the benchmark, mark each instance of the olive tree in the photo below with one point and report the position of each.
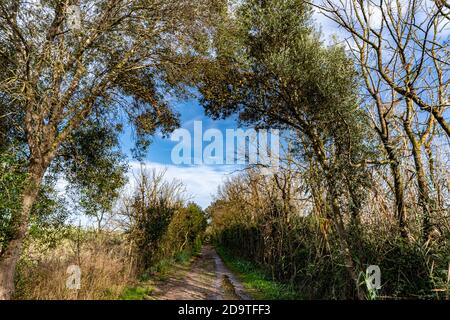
(279, 74)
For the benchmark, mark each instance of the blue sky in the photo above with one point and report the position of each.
(202, 181)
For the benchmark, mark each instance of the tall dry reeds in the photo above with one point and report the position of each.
(102, 258)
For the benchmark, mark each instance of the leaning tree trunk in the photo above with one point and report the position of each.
(424, 195)
(344, 245)
(399, 196)
(399, 189)
(19, 224)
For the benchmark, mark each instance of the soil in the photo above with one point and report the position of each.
(207, 278)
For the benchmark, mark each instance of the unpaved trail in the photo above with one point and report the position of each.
(206, 279)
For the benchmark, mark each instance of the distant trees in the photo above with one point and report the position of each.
(158, 222)
(185, 232)
(124, 55)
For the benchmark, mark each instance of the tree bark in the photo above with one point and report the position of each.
(336, 215)
(13, 250)
(424, 196)
(399, 196)
(343, 243)
(394, 164)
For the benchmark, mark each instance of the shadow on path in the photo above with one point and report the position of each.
(207, 279)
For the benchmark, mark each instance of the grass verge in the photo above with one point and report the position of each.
(161, 271)
(137, 293)
(256, 281)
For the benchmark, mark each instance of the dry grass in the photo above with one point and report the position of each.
(103, 260)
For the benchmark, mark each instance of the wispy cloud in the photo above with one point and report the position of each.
(201, 182)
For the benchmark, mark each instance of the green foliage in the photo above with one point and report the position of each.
(162, 267)
(256, 280)
(184, 234)
(48, 211)
(12, 179)
(314, 268)
(137, 293)
(408, 269)
(177, 235)
(162, 228)
(94, 167)
(183, 257)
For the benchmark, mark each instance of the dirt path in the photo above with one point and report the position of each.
(206, 279)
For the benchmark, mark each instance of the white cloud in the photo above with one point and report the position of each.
(201, 182)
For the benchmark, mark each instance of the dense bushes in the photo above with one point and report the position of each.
(48, 210)
(185, 231)
(159, 224)
(299, 247)
(317, 270)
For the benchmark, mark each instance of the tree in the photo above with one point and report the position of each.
(278, 74)
(124, 54)
(185, 231)
(402, 51)
(409, 51)
(147, 214)
(443, 7)
(94, 168)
